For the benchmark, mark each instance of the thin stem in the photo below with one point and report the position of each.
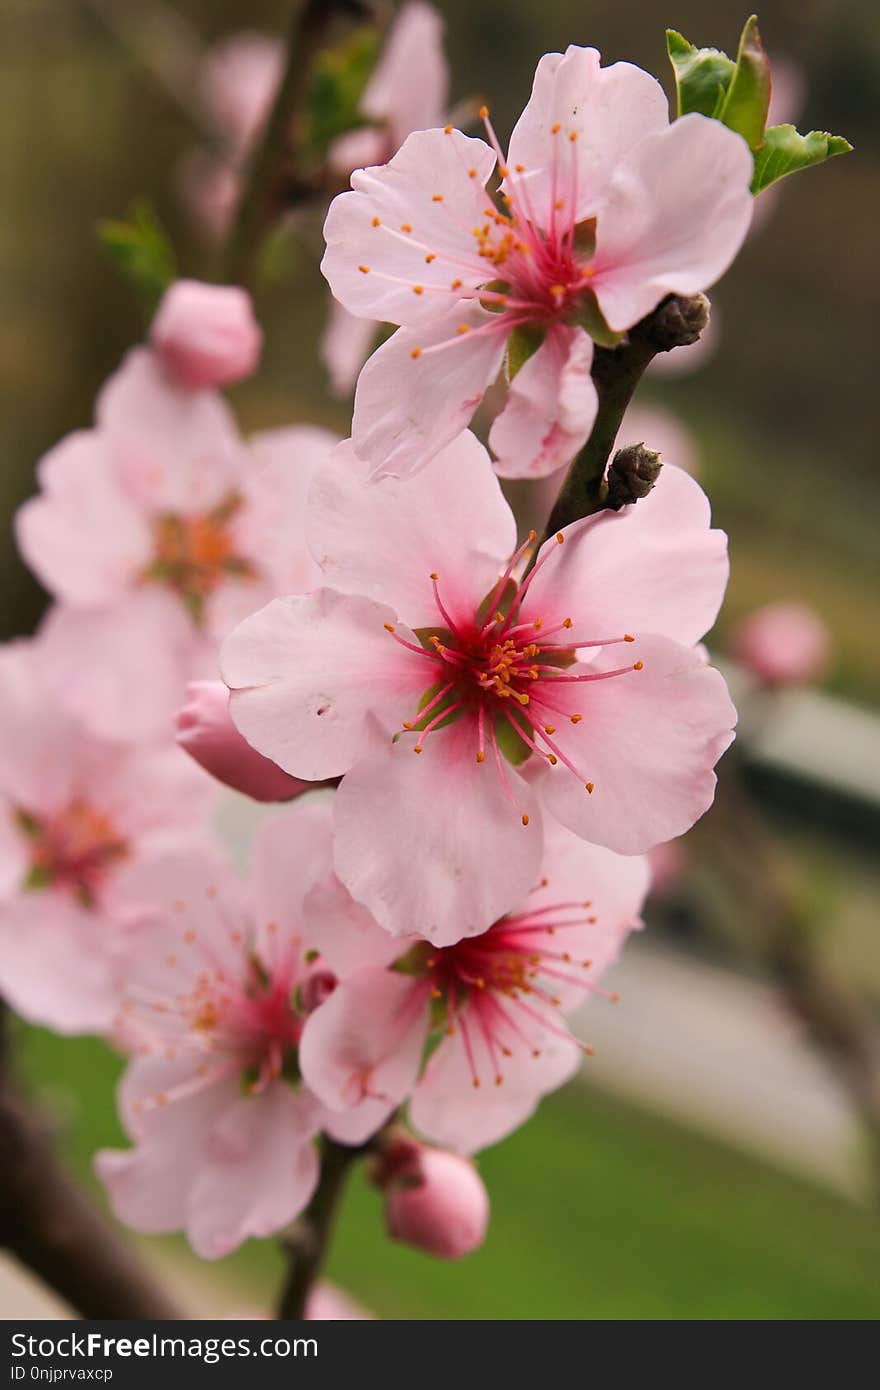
(273, 179)
(49, 1224)
(617, 372)
(307, 1243)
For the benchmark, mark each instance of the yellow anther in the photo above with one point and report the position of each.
(589, 786)
(576, 718)
(464, 328)
(364, 269)
(416, 352)
(418, 289)
(555, 129)
(567, 622)
(525, 819)
(472, 173)
(434, 575)
(447, 130)
(559, 204)
(520, 168)
(481, 756)
(431, 256)
(628, 638)
(484, 113)
(572, 135)
(376, 222)
(389, 627)
(417, 748)
(560, 539)
(436, 197)
(405, 227)
(638, 665)
(549, 728)
(552, 759)
(456, 285)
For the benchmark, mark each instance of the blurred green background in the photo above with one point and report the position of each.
(600, 1209)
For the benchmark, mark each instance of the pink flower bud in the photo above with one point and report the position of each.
(206, 335)
(207, 733)
(783, 644)
(435, 1201)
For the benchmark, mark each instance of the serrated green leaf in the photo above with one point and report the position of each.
(141, 252)
(702, 75)
(785, 151)
(747, 99)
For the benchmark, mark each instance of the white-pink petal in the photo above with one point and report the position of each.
(431, 843)
(385, 539)
(677, 211)
(654, 566)
(420, 389)
(647, 744)
(397, 242)
(551, 406)
(310, 673)
(609, 110)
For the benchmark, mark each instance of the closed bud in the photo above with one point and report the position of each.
(207, 733)
(206, 335)
(633, 473)
(678, 321)
(434, 1200)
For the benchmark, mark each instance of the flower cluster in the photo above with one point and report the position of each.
(482, 734)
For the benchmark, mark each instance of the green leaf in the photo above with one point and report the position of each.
(336, 87)
(784, 151)
(141, 252)
(748, 96)
(702, 75)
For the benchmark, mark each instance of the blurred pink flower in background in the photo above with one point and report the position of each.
(76, 810)
(783, 644)
(214, 989)
(206, 335)
(590, 668)
(497, 1003)
(434, 1200)
(156, 531)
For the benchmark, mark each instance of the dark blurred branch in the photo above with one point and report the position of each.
(49, 1224)
(617, 372)
(780, 936)
(274, 183)
(307, 1242)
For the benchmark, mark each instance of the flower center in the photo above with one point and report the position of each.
(508, 672)
(73, 849)
(501, 991)
(193, 555)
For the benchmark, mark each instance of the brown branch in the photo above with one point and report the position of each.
(617, 372)
(48, 1223)
(306, 1244)
(274, 183)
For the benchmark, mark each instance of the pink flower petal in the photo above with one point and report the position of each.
(414, 529)
(271, 526)
(81, 534)
(37, 751)
(677, 211)
(135, 696)
(343, 930)
(55, 966)
(654, 566)
(426, 203)
(177, 451)
(551, 406)
(610, 110)
(305, 673)
(430, 843)
(420, 389)
(448, 1109)
(259, 1170)
(365, 1043)
(647, 745)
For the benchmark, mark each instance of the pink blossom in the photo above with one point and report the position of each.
(783, 644)
(579, 690)
(75, 811)
(214, 990)
(604, 205)
(206, 335)
(238, 81)
(206, 732)
(434, 1200)
(157, 530)
(492, 1005)
(327, 1303)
